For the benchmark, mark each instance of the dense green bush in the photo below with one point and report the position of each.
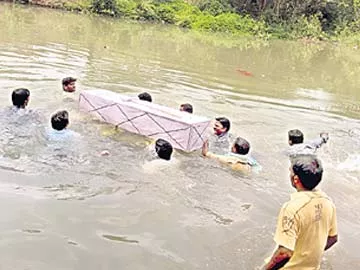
(146, 10)
(126, 8)
(229, 23)
(108, 7)
(315, 19)
(215, 7)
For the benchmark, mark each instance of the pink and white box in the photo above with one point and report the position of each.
(183, 130)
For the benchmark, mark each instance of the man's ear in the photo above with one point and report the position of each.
(297, 181)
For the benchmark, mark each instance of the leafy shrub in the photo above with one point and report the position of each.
(185, 14)
(80, 5)
(214, 7)
(278, 18)
(166, 14)
(300, 27)
(126, 8)
(146, 10)
(229, 23)
(107, 7)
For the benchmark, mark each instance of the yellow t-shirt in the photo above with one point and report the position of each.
(304, 224)
(234, 162)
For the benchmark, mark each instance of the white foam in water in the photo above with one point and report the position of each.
(352, 164)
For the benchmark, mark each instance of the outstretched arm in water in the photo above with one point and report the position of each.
(206, 153)
(317, 143)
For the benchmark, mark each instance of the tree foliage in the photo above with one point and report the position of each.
(278, 18)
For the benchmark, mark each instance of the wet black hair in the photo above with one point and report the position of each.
(60, 120)
(145, 96)
(19, 97)
(224, 122)
(309, 170)
(66, 81)
(187, 107)
(163, 149)
(242, 146)
(296, 136)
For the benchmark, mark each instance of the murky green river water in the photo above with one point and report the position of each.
(82, 211)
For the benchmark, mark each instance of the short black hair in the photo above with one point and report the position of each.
(60, 120)
(242, 146)
(20, 96)
(145, 96)
(296, 136)
(163, 149)
(309, 170)
(224, 122)
(187, 107)
(66, 81)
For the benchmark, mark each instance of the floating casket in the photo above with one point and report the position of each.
(183, 130)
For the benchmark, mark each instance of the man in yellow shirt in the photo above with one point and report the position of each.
(307, 223)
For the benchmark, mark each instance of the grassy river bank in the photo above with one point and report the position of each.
(310, 20)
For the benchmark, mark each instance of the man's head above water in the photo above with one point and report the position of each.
(221, 126)
(186, 107)
(145, 97)
(60, 120)
(295, 136)
(163, 149)
(241, 146)
(68, 84)
(20, 97)
(305, 172)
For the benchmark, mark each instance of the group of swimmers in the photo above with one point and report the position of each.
(221, 146)
(236, 154)
(306, 224)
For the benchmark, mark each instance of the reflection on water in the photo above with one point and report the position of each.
(68, 199)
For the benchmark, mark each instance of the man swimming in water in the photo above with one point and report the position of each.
(186, 108)
(20, 98)
(68, 84)
(145, 97)
(238, 158)
(220, 141)
(163, 157)
(298, 147)
(59, 124)
(69, 88)
(307, 223)
(163, 149)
